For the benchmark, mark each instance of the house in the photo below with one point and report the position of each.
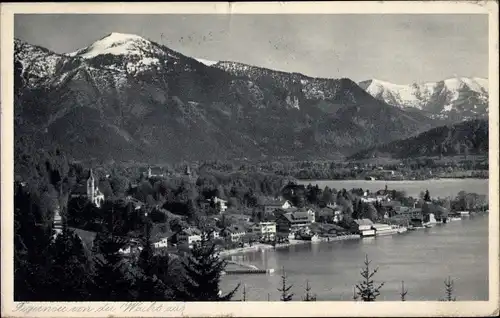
(89, 191)
(215, 234)
(364, 227)
(57, 224)
(133, 247)
(161, 243)
(135, 203)
(269, 206)
(294, 221)
(215, 202)
(220, 204)
(189, 237)
(330, 214)
(234, 232)
(265, 229)
(155, 172)
(408, 213)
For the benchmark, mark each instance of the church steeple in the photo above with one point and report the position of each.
(91, 188)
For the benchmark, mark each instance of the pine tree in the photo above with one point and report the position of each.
(244, 293)
(149, 287)
(70, 269)
(202, 271)
(403, 291)
(112, 279)
(285, 290)
(366, 290)
(308, 296)
(32, 243)
(449, 288)
(427, 196)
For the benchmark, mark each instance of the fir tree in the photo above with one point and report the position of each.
(403, 291)
(309, 296)
(448, 289)
(32, 242)
(149, 287)
(70, 269)
(244, 293)
(112, 279)
(285, 290)
(427, 196)
(202, 271)
(366, 290)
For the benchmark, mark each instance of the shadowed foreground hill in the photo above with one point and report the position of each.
(469, 137)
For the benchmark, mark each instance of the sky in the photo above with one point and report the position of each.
(399, 48)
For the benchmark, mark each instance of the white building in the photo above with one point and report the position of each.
(220, 204)
(189, 237)
(162, 243)
(266, 229)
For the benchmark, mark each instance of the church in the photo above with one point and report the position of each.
(90, 191)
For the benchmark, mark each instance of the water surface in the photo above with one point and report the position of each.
(423, 259)
(437, 187)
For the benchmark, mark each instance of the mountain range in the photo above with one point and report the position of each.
(454, 99)
(124, 97)
(468, 137)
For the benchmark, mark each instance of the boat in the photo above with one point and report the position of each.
(428, 225)
(454, 218)
(464, 213)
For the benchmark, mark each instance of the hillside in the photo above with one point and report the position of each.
(468, 137)
(453, 99)
(124, 97)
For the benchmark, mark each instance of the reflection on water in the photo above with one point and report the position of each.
(422, 258)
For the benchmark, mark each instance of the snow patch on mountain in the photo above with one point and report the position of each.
(206, 62)
(38, 64)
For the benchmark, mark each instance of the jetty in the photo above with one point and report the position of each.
(236, 268)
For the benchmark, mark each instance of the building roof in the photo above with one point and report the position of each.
(273, 202)
(363, 222)
(236, 229)
(192, 231)
(156, 170)
(326, 212)
(296, 217)
(380, 226)
(391, 204)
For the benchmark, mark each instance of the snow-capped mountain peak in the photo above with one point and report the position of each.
(467, 96)
(116, 44)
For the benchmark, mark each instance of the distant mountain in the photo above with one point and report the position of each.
(468, 137)
(124, 97)
(455, 99)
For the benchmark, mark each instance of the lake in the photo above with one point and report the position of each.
(437, 187)
(422, 258)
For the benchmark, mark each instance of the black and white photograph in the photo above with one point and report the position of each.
(181, 157)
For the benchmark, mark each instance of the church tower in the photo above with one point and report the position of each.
(91, 188)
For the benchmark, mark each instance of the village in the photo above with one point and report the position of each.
(274, 222)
